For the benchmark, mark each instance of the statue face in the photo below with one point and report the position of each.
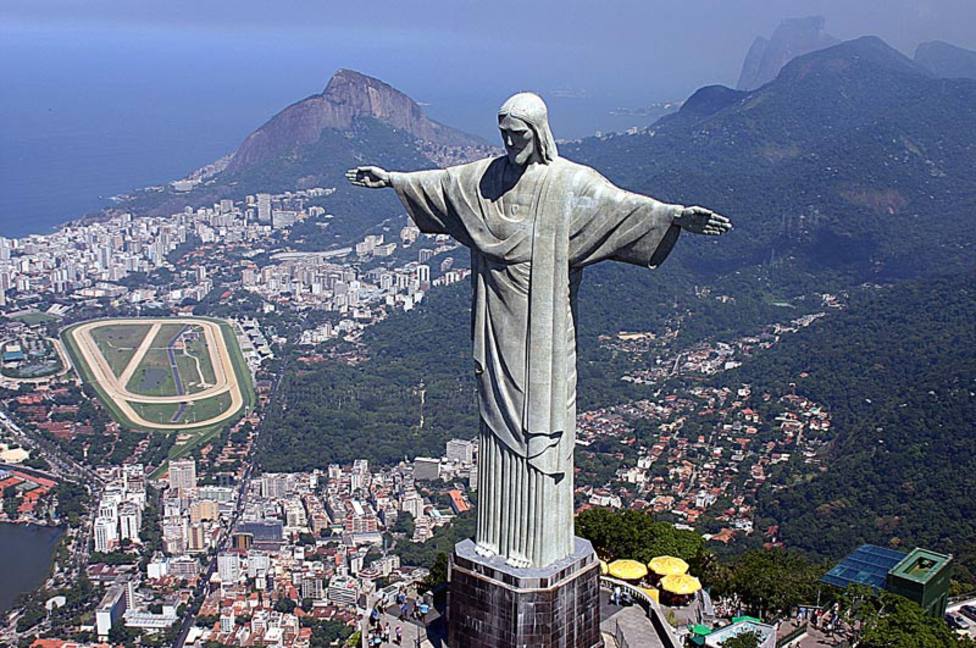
(519, 140)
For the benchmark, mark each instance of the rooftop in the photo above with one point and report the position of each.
(920, 565)
(867, 565)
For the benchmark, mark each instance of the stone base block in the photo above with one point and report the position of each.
(493, 605)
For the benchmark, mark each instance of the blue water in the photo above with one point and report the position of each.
(33, 547)
(87, 112)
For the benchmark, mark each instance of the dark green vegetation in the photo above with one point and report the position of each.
(888, 621)
(118, 343)
(636, 536)
(897, 372)
(373, 410)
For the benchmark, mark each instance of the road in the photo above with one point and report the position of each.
(62, 464)
(200, 590)
(954, 609)
(191, 617)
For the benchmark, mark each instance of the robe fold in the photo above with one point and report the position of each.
(530, 238)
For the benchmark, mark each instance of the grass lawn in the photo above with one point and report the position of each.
(154, 376)
(35, 317)
(118, 342)
(197, 349)
(189, 413)
(156, 412)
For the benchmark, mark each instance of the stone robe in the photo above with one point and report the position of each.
(530, 237)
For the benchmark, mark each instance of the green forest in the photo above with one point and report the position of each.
(897, 370)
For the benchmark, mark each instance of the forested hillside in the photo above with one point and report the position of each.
(897, 371)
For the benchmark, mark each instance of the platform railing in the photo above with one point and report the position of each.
(651, 609)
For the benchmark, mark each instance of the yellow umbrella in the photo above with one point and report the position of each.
(604, 567)
(628, 569)
(681, 585)
(668, 566)
(653, 593)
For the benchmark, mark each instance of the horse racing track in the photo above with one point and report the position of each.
(162, 373)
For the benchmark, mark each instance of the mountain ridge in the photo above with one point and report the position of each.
(946, 60)
(347, 97)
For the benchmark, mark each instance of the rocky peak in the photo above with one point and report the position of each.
(349, 96)
(794, 37)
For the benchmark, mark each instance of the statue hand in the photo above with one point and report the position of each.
(699, 220)
(372, 177)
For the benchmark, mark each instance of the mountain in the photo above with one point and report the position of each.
(348, 98)
(839, 165)
(794, 37)
(945, 60)
(355, 120)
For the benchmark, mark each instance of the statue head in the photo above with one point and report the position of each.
(524, 123)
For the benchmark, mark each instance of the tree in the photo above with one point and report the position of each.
(636, 535)
(285, 605)
(744, 640)
(772, 581)
(438, 572)
(897, 622)
(404, 524)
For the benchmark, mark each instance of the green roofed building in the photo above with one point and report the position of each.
(921, 575)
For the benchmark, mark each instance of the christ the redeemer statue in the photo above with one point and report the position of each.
(533, 221)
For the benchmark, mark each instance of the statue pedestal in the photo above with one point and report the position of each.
(493, 605)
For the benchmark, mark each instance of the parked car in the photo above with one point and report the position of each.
(956, 622)
(969, 611)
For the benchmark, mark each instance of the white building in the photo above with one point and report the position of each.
(106, 535)
(229, 568)
(183, 474)
(130, 521)
(109, 611)
(460, 451)
(264, 208)
(227, 620)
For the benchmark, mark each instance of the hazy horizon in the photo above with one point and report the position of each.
(102, 97)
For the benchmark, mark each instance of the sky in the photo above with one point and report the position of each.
(102, 96)
(460, 52)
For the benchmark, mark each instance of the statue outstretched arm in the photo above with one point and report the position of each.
(613, 223)
(433, 200)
